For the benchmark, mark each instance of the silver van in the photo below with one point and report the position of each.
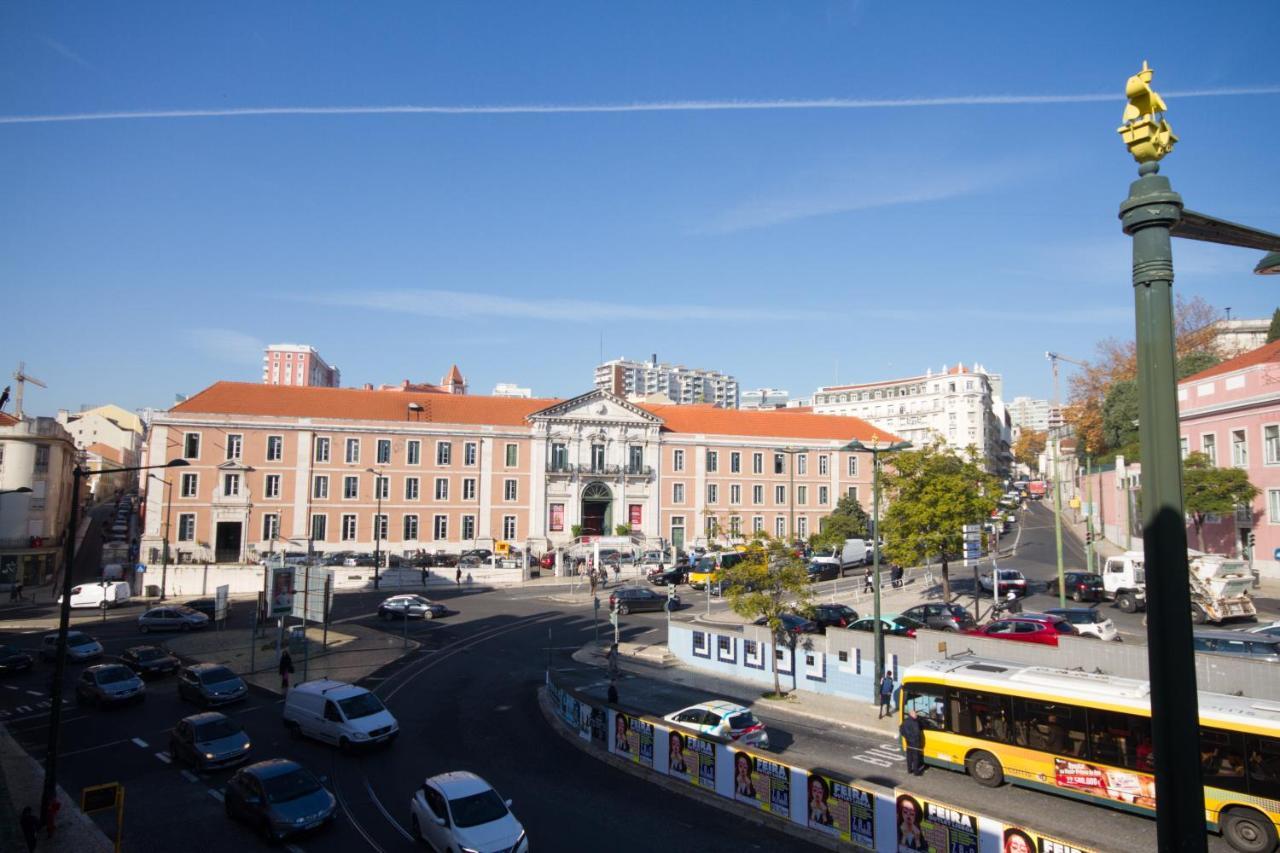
(1238, 644)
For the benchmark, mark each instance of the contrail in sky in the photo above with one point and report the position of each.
(639, 107)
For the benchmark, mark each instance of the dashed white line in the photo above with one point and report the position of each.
(189, 776)
(140, 742)
(35, 692)
(293, 848)
(13, 687)
(216, 794)
(165, 757)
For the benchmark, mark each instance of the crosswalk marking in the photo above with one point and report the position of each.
(216, 794)
(140, 742)
(189, 776)
(164, 756)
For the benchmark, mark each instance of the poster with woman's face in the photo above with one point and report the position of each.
(840, 809)
(1019, 840)
(281, 590)
(691, 758)
(764, 783)
(633, 739)
(937, 828)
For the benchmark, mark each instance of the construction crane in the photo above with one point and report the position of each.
(1054, 358)
(22, 378)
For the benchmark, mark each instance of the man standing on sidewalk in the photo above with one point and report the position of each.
(886, 695)
(913, 736)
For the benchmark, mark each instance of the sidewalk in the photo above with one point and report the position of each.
(21, 780)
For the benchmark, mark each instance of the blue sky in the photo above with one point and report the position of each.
(957, 201)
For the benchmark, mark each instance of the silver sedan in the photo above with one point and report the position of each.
(175, 618)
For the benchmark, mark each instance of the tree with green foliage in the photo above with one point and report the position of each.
(1209, 489)
(933, 493)
(1030, 444)
(1194, 362)
(1273, 333)
(847, 521)
(769, 582)
(1120, 414)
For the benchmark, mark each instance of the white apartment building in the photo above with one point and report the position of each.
(1029, 413)
(766, 398)
(1234, 337)
(298, 364)
(36, 455)
(956, 405)
(108, 437)
(681, 385)
(510, 389)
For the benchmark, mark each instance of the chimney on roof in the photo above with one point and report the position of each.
(368, 386)
(653, 359)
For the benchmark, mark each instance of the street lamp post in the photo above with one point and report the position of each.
(168, 514)
(64, 620)
(875, 449)
(1151, 215)
(377, 525)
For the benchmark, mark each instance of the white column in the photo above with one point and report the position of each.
(484, 526)
(301, 488)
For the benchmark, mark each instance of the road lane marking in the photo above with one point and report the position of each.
(189, 776)
(92, 748)
(140, 742)
(165, 757)
(216, 794)
(35, 692)
(395, 823)
(13, 687)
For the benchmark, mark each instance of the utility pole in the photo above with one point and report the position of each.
(1055, 438)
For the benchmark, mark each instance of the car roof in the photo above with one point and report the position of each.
(1219, 634)
(272, 767)
(459, 783)
(718, 706)
(206, 666)
(204, 717)
(145, 647)
(1060, 611)
(330, 688)
(99, 667)
(1041, 618)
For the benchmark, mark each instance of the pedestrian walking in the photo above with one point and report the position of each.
(30, 825)
(457, 577)
(913, 736)
(613, 693)
(591, 576)
(896, 574)
(286, 669)
(868, 584)
(886, 695)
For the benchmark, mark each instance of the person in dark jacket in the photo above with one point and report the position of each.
(30, 826)
(913, 736)
(286, 669)
(886, 695)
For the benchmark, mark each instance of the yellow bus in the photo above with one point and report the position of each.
(705, 572)
(1088, 736)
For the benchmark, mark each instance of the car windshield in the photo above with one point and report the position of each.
(359, 706)
(115, 674)
(1064, 627)
(743, 720)
(79, 640)
(477, 809)
(216, 675)
(957, 611)
(290, 786)
(217, 729)
(148, 654)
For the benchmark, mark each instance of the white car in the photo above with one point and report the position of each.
(1087, 621)
(722, 719)
(461, 811)
(1011, 580)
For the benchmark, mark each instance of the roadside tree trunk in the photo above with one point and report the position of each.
(1198, 519)
(946, 580)
(777, 682)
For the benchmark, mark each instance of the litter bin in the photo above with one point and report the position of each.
(153, 590)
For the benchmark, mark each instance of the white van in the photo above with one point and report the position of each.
(103, 594)
(854, 552)
(339, 713)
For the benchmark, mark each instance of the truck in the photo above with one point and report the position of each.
(854, 552)
(1219, 586)
(1037, 489)
(1124, 581)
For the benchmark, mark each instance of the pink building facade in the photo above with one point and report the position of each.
(297, 364)
(287, 468)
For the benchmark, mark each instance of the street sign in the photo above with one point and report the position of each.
(98, 798)
(309, 592)
(140, 568)
(282, 590)
(221, 595)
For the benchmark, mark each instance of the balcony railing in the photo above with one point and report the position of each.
(568, 469)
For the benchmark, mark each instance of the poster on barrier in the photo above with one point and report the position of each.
(1016, 839)
(934, 827)
(633, 739)
(1122, 786)
(840, 809)
(599, 724)
(765, 783)
(692, 759)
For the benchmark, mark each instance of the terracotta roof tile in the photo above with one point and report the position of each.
(1263, 354)
(779, 423)
(7, 419)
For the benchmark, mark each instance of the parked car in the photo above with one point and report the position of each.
(207, 606)
(1079, 586)
(209, 740)
(461, 811)
(1010, 580)
(794, 624)
(410, 607)
(633, 599)
(1262, 647)
(103, 594)
(722, 719)
(149, 661)
(834, 615)
(941, 617)
(479, 554)
(821, 571)
(1027, 629)
(177, 618)
(1087, 621)
(109, 684)
(279, 797)
(13, 659)
(338, 713)
(1272, 630)
(547, 560)
(898, 626)
(80, 646)
(670, 577)
(653, 558)
(210, 684)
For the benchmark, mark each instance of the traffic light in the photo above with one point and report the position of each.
(1088, 537)
(613, 617)
(1253, 538)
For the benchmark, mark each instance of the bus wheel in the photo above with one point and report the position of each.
(1249, 831)
(985, 768)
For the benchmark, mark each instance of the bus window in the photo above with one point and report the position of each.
(1120, 739)
(928, 701)
(1049, 726)
(1222, 759)
(1263, 766)
(984, 715)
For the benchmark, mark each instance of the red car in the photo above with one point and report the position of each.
(547, 560)
(1027, 629)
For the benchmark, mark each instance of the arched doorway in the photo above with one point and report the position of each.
(597, 510)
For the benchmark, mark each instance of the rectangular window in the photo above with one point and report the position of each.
(230, 485)
(513, 455)
(1239, 449)
(381, 488)
(1183, 447)
(735, 494)
(440, 527)
(353, 450)
(713, 461)
(442, 489)
(822, 495)
(802, 527)
(469, 453)
(757, 494)
(779, 494)
(824, 465)
(413, 452)
(350, 488)
(322, 449)
(677, 460)
(757, 524)
(320, 487)
(713, 527)
(559, 456)
(319, 527)
(779, 463)
(1273, 506)
(270, 526)
(853, 465)
(191, 445)
(348, 528)
(275, 448)
(1209, 445)
(735, 527)
(677, 493)
(635, 459)
(272, 487)
(853, 492)
(757, 463)
(411, 488)
(469, 489)
(735, 463)
(468, 527)
(508, 527)
(780, 527)
(380, 527)
(713, 493)
(802, 464)
(802, 495)
(1271, 442)
(410, 528)
(383, 452)
(235, 444)
(187, 527)
(444, 453)
(190, 485)
(509, 490)
(597, 458)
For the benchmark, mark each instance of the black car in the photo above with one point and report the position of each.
(14, 659)
(633, 599)
(834, 615)
(1079, 586)
(480, 554)
(673, 577)
(823, 571)
(149, 661)
(207, 606)
(410, 606)
(794, 623)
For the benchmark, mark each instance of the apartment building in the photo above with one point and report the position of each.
(675, 382)
(37, 456)
(298, 364)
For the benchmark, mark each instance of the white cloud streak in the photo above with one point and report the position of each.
(227, 345)
(637, 107)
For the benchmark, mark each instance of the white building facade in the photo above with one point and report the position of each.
(681, 385)
(36, 454)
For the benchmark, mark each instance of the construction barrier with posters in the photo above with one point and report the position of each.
(828, 808)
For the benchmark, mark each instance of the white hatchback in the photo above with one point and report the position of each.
(722, 719)
(1088, 622)
(461, 811)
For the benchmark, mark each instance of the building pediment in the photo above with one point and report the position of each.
(596, 407)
